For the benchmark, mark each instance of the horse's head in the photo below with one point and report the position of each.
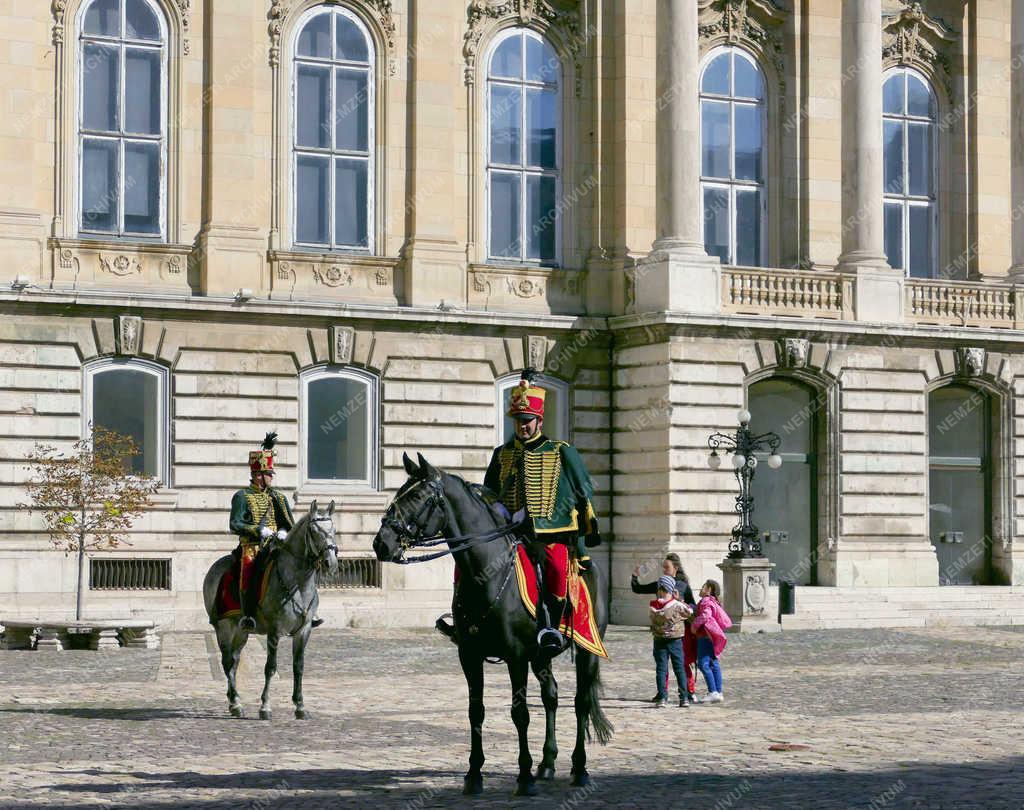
(319, 537)
(417, 513)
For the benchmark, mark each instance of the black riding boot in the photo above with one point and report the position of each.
(549, 638)
(444, 628)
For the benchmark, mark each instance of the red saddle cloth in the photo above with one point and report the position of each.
(227, 594)
(583, 630)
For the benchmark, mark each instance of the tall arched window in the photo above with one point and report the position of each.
(524, 142)
(556, 406)
(339, 426)
(908, 121)
(959, 499)
(333, 132)
(130, 398)
(786, 499)
(732, 122)
(122, 119)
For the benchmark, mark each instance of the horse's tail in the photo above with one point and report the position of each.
(599, 724)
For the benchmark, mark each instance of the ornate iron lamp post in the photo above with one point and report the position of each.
(744, 446)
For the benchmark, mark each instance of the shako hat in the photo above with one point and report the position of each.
(262, 460)
(527, 400)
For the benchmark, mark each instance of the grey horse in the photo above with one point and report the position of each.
(287, 608)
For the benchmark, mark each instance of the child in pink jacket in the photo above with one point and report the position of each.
(710, 623)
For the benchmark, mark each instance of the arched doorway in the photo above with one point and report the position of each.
(786, 499)
(959, 484)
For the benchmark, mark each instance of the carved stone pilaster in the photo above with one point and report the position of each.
(59, 9)
(913, 38)
(185, 9)
(561, 20)
(343, 340)
(127, 334)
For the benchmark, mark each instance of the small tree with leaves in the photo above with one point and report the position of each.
(88, 497)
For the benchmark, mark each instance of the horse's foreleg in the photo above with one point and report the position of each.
(269, 670)
(549, 694)
(473, 669)
(526, 785)
(298, 657)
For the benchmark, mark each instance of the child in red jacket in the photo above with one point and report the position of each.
(668, 616)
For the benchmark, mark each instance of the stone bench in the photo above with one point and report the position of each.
(100, 635)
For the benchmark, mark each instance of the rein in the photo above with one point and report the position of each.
(410, 533)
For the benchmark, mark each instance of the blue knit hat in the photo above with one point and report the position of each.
(667, 583)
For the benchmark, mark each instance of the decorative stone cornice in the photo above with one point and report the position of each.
(755, 24)
(59, 9)
(381, 11)
(913, 38)
(559, 18)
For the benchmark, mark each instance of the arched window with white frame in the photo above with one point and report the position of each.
(523, 148)
(122, 120)
(909, 114)
(556, 406)
(130, 397)
(333, 133)
(338, 445)
(733, 156)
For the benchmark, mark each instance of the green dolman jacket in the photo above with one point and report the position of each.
(549, 479)
(248, 507)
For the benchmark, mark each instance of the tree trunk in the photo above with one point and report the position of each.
(81, 575)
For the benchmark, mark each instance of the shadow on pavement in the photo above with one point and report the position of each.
(119, 713)
(993, 785)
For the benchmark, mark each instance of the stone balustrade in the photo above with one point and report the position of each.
(961, 303)
(941, 302)
(787, 292)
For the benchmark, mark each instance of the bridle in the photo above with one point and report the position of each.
(311, 552)
(411, 533)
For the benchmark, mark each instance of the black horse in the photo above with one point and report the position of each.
(434, 507)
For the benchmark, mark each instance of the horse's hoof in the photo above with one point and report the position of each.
(236, 711)
(546, 772)
(264, 714)
(301, 714)
(526, 786)
(473, 784)
(581, 779)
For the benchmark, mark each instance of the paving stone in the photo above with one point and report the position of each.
(871, 719)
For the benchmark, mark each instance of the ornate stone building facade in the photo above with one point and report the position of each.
(355, 220)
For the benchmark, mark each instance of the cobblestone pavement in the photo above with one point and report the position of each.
(908, 719)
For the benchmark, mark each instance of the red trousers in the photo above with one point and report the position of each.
(689, 661)
(556, 573)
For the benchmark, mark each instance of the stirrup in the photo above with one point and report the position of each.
(550, 640)
(247, 623)
(446, 629)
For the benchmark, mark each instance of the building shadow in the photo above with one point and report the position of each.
(993, 785)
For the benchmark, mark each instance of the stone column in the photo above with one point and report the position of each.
(679, 275)
(879, 290)
(1017, 137)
